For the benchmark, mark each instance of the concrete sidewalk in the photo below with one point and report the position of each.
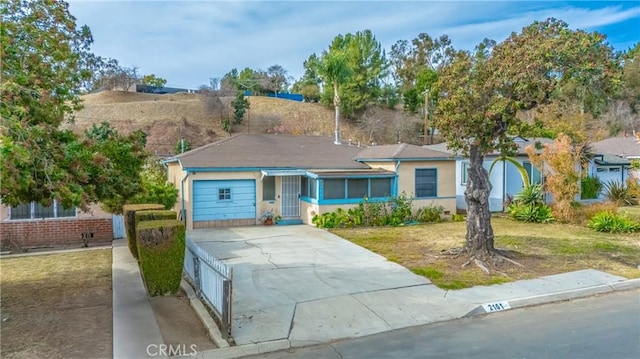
(298, 285)
(135, 331)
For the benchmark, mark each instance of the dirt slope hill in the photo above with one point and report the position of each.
(166, 118)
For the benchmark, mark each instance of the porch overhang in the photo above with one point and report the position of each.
(282, 173)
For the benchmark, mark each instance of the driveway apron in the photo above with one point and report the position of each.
(309, 286)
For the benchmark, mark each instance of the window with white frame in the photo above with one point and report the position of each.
(224, 194)
(465, 173)
(269, 188)
(35, 210)
(535, 177)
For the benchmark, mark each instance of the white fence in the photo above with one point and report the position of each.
(213, 281)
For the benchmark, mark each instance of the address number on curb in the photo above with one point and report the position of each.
(496, 307)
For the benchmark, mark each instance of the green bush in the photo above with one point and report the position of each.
(336, 219)
(456, 217)
(591, 187)
(129, 214)
(430, 213)
(401, 210)
(394, 212)
(530, 213)
(161, 246)
(530, 195)
(618, 193)
(607, 221)
(154, 215)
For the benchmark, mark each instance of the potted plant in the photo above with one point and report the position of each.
(267, 217)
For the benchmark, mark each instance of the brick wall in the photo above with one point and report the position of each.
(55, 232)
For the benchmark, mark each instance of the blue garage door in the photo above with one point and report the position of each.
(223, 200)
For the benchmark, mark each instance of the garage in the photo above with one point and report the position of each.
(224, 200)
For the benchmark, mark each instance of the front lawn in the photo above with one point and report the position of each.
(57, 305)
(543, 249)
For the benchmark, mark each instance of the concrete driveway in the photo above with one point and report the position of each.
(308, 286)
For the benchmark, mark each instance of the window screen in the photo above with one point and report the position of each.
(313, 193)
(268, 188)
(380, 187)
(357, 188)
(426, 182)
(334, 188)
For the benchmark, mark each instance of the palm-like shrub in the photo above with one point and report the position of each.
(618, 193)
(528, 206)
(608, 221)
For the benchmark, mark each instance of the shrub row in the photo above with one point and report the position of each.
(157, 240)
(394, 212)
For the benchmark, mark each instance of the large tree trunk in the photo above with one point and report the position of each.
(479, 231)
(336, 104)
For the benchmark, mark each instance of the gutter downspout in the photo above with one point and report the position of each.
(396, 179)
(183, 214)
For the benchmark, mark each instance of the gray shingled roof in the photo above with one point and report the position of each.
(400, 151)
(522, 143)
(272, 151)
(618, 146)
(606, 159)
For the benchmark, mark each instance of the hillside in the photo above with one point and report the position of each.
(165, 118)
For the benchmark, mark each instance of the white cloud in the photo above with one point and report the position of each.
(189, 41)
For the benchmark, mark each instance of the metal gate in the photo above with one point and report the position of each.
(118, 226)
(290, 196)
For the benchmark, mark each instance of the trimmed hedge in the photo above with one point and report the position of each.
(155, 215)
(161, 246)
(129, 214)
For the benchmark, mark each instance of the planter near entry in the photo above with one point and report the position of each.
(268, 222)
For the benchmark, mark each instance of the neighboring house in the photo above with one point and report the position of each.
(505, 178)
(232, 181)
(32, 225)
(612, 158)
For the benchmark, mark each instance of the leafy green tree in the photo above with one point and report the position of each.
(240, 106)
(333, 69)
(182, 146)
(481, 93)
(308, 85)
(153, 81)
(155, 188)
(363, 60)
(277, 79)
(41, 162)
(118, 160)
(630, 60)
(368, 65)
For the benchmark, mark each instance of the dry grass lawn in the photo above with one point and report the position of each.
(543, 249)
(57, 305)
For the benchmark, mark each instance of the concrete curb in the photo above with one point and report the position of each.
(48, 251)
(230, 352)
(246, 350)
(561, 296)
(202, 313)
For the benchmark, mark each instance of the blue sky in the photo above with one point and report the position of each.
(187, 42)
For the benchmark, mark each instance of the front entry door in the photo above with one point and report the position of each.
(290, 196)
